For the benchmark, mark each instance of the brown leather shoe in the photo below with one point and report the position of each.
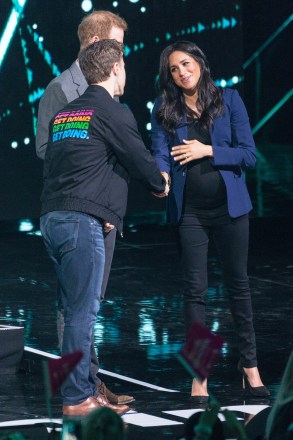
(119, 409)
(82, 409)
(113, 398)
(90, 404)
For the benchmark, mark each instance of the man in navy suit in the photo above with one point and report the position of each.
(60, 91)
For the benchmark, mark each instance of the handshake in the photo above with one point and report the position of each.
(167, 187)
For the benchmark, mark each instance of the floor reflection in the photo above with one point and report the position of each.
(140, 328)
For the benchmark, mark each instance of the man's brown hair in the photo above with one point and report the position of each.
(97, 59)
(98, 23)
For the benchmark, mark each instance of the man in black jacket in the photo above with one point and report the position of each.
(60, 91)
(93, 147)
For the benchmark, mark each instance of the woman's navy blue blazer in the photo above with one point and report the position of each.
(233, 147)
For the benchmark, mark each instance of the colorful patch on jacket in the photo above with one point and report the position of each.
(71, 125)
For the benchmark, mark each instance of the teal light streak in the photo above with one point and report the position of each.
(127, 50)
(24, 49)
(13, 20)
(46, 55)
(30, 76)
(200, 27)
(222, 24)
(271, 113)
(267, 42)
(35, 95)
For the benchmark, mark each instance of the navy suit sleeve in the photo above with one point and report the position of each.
(51, 102)
(242, 151)
(160, 141)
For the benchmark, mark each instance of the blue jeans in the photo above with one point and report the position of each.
(75, 244)
(109, 241)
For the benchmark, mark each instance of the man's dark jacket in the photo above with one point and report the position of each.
(93, 147)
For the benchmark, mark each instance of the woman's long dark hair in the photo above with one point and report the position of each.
(210, 97)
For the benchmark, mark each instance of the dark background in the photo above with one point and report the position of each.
(229, 32)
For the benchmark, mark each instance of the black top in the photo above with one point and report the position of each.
(93, 147)
(204, 187)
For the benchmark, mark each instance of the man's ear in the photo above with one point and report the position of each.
(94, 39)
(116, 68)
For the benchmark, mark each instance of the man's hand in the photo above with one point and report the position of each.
(167, 187)
(107, 227)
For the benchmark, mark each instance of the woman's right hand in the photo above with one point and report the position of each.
(191, 150)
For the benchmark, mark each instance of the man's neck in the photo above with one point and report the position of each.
(108, 85)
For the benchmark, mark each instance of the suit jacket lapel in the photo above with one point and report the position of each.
(181, 130)
(78, 78)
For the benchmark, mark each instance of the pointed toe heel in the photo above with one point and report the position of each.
(261, 391)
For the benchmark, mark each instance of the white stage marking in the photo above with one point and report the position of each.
(146, 420)
(27, 422)
(248, 409)
(107, 373)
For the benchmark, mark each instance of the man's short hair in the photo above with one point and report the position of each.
(97, 59)
(99, 23)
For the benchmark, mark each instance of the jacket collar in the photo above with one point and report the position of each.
(78, 77)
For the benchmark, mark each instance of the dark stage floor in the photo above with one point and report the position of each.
(140, 328)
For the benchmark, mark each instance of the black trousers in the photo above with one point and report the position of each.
(231, 238)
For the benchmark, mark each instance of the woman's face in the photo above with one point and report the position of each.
(185, 71)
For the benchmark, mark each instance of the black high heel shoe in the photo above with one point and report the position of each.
(261, 391)
(200, 399)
